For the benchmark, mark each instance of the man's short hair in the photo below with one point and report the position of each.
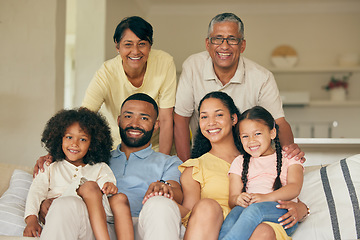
(142, 97)
(226, 17)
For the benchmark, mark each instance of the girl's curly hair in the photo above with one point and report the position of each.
(202, 145)
(94, 124)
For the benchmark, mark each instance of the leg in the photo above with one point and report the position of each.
(67, 219)
(159, 219)
(251, 217)
(205, 221)
(264, 232)
(230, 220)
(92, 196)
(120, 208)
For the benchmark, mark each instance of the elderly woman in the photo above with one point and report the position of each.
(136, 68)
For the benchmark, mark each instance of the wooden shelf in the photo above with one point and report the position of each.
(329, 142)
(329, 103)
(324, 69)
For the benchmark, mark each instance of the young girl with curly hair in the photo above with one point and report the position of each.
(79, 142)
(259, 177)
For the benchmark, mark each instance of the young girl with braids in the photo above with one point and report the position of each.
(259, 177)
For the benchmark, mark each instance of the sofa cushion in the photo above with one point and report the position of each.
(12, 204)
(332, 194)
(6, 171)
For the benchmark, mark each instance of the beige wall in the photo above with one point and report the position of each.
(89, 43)
(31, 74)
(32, 47)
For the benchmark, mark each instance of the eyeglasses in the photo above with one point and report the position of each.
(220, 40)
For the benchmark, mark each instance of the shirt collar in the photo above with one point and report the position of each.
(143, 153)
(209, 73)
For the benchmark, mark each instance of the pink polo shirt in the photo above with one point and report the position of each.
(262, 172)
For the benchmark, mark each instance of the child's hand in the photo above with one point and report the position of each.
(243, 199)
(158, 189)
(257, 197)
(109, 188)
(33, 228)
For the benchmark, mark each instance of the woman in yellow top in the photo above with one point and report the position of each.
(204, 178)
(137, 69)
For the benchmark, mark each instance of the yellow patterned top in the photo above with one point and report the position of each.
(211, 172)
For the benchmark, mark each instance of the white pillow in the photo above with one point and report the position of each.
(332, 194)
(12, 204)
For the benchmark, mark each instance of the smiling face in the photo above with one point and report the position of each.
(256, 137)
(225, 56)
(75, 144)
(134, 52)
(216, 121)
(137, 123)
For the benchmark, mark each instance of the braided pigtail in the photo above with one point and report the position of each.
(277, 183)
(260, 114)
(244, 174)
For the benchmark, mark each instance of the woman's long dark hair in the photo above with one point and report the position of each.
(260, 114)
(202, 145)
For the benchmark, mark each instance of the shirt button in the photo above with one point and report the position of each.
(76, 169)
(75, 175)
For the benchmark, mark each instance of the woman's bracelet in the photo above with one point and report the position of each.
(307, 214)
(165, 182)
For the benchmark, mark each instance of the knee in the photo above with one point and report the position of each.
(254, 208)
(160, 210)
(119, 199)
(89, 189)
(159, 203)
(263, 231)
(65, 206)
(160, 206)
(207, 209)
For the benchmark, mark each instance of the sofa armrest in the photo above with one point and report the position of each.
(6, 171)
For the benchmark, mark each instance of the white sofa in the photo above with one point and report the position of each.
(331, 192)
(12, 203)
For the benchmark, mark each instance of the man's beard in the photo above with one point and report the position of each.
(135, 142)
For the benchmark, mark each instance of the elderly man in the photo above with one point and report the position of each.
(222, 68)
(149, 179)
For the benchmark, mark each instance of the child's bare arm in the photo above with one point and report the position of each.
(33, 228)
(236, 196)
(109, 188)
(288, 192)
